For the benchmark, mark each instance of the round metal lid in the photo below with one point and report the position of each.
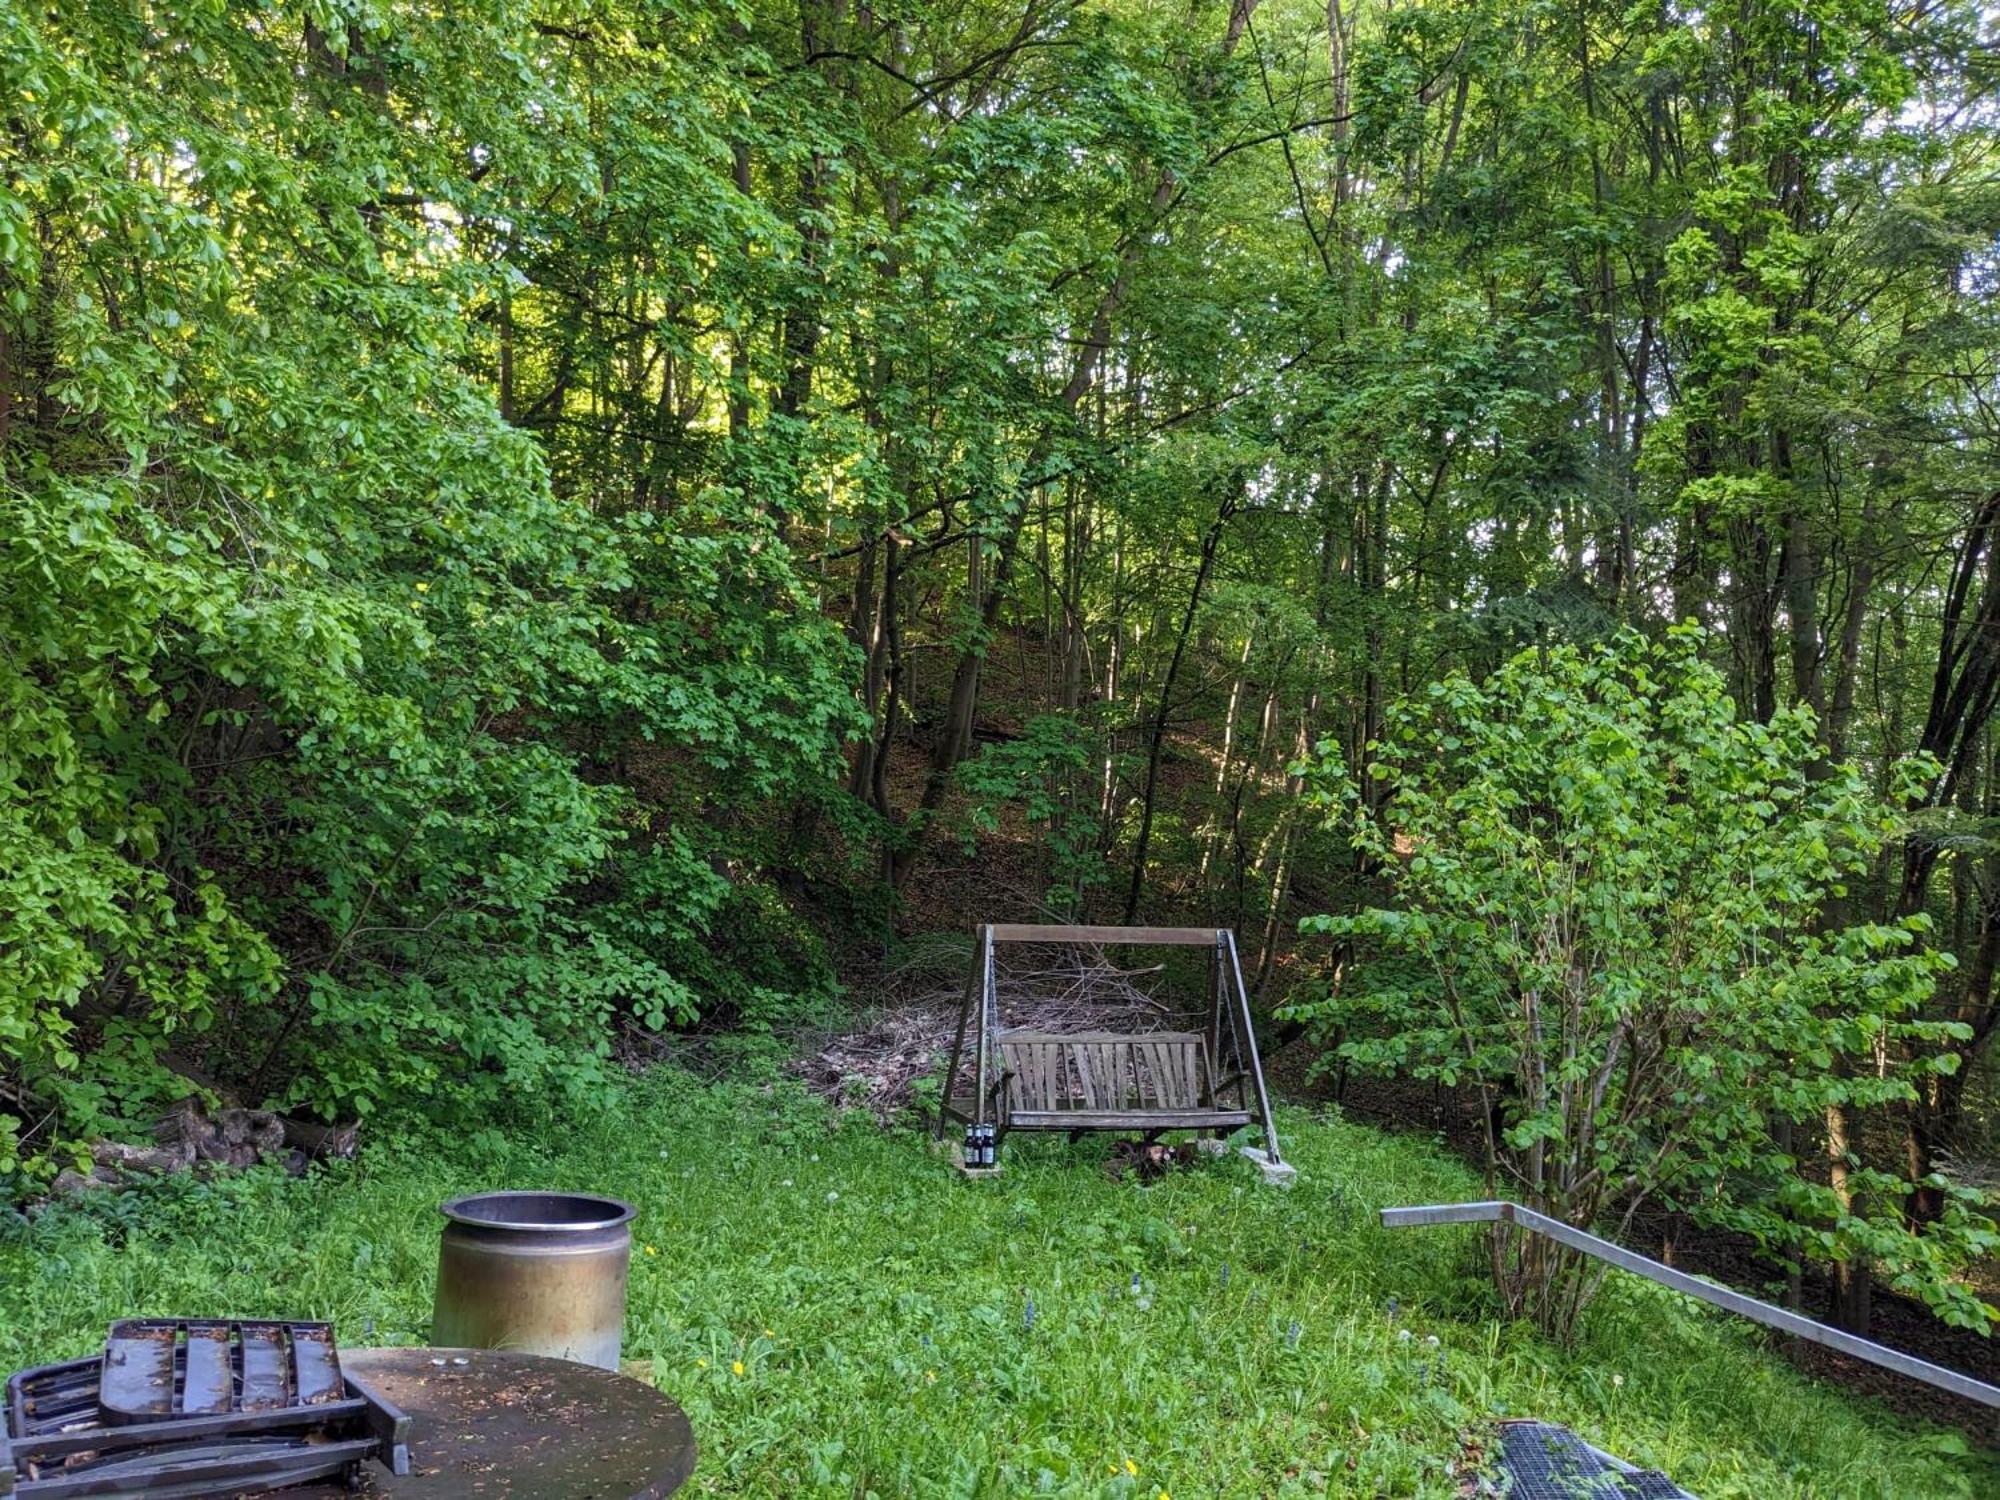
(489, 1424)
(539, 1211)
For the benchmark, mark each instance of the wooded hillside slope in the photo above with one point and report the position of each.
(529, 522)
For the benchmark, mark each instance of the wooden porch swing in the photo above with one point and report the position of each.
(1145, 1081)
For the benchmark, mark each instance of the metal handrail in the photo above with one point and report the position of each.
(1694, 1286)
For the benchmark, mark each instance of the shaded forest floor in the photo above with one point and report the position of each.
(840, 1314)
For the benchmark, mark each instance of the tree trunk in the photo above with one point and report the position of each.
(963, 700)
(1157, 733)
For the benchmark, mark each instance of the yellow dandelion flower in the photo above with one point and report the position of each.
(769, 1334)
(737, 1368)
(1131, 1468)
(423, 588)
(701, 1364)
(652, 1250)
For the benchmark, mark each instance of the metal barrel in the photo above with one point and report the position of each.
(540, 1273)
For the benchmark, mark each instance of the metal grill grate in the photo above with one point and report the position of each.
(1542, 1461)
(176, 1408)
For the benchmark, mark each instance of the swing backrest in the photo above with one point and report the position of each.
(1097, 1071)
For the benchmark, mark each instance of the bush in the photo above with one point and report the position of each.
(1608, 897)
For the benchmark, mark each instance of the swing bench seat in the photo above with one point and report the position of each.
(1101, 1080)
(999, 1079)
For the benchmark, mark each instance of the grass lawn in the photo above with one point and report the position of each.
(841, 1315)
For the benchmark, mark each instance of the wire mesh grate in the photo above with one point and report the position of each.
(1544, 1461)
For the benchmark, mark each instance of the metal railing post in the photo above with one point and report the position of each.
(1250, 1042)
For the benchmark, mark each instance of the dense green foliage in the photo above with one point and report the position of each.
(517, 519)
(903, 1334)
(322, 708)
(1607, 891)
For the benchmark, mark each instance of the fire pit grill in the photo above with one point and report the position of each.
(179, 1409)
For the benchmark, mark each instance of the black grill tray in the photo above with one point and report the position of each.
(178, 1435)
(161, 1369)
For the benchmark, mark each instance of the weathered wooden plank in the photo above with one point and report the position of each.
(1129, 1119)
(1174, 1090)
(1024, 1088)
(1188, 1057)
(1078, 1056)
(1723, 1297)
(1066, 1037)
(1167, 937)
(1110, 1080)
(1023, 1082)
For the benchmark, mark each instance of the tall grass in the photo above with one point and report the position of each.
(902, 1332)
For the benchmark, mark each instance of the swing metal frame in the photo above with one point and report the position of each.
(1149, 1082)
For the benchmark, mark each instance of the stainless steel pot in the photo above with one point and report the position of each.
(542, 1273)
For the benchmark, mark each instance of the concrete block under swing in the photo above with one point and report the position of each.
(1275, 1173)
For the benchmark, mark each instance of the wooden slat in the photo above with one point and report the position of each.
(1173, 1092)
(1129, 1119)
(1105, 1073)
(1166, 937)
(1011, 1038)
(1724, 1297)
(1086, 1074)
(1024, 1083)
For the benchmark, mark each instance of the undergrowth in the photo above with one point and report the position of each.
(841, 1315)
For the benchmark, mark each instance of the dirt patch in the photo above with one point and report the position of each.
(1056, 988)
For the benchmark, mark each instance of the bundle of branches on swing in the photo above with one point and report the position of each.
(1053, 987)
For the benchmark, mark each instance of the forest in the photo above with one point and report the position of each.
(535, 530)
